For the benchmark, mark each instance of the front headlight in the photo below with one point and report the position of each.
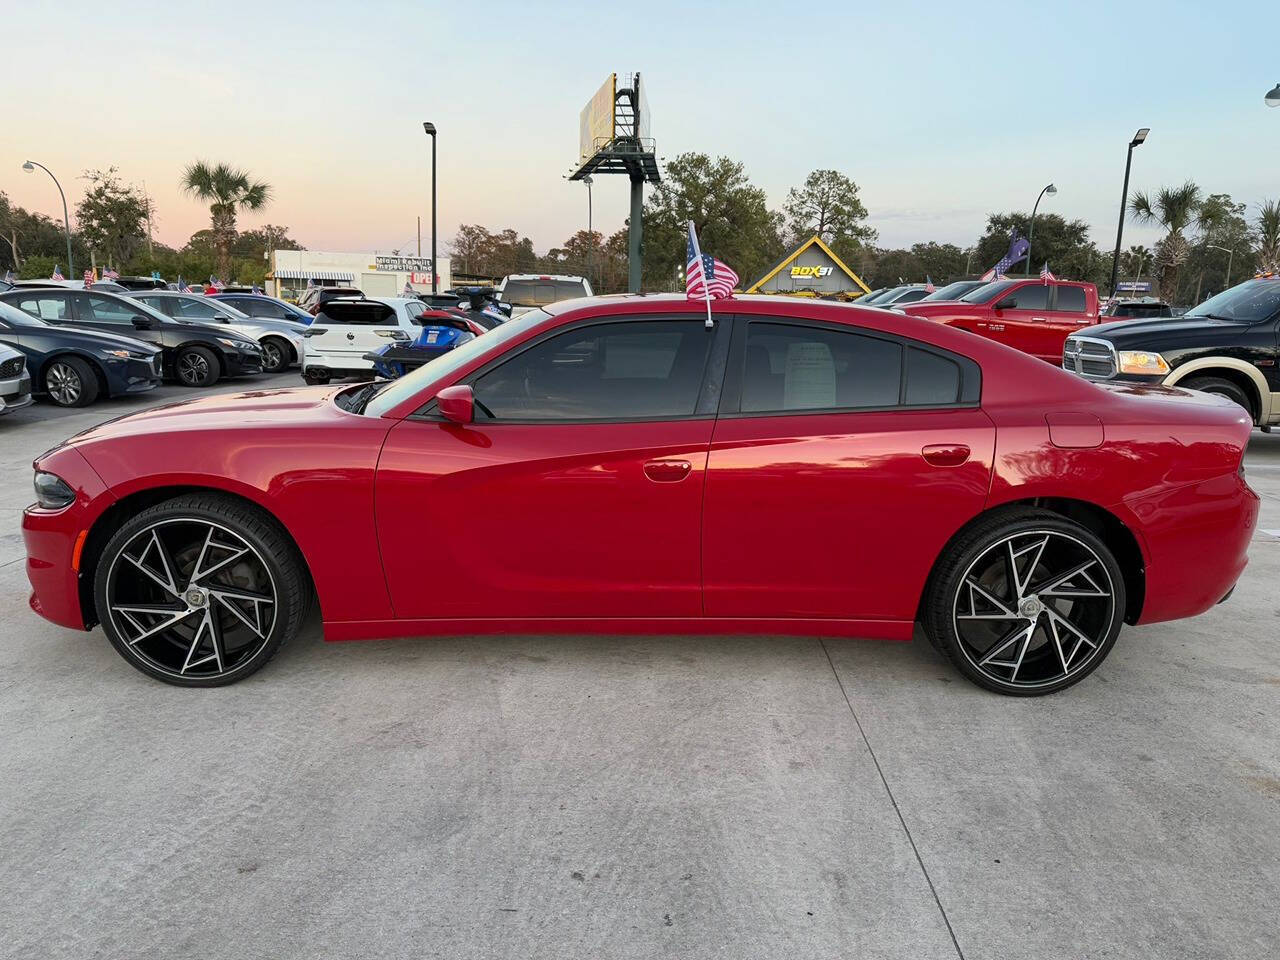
(1142, 362)
(52, 492)
(125, 354)
(239, 344)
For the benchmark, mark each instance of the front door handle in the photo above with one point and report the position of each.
(945, 454)
(667, 471)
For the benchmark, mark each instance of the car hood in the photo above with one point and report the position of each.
(939, 308)
(81, 337)
(292, 406)
(1161, 327)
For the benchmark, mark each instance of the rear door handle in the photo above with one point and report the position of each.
(945, 454)
(667, 471)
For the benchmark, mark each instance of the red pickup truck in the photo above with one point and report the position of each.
(1029, 315)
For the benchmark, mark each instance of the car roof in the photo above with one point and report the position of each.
(543, 276)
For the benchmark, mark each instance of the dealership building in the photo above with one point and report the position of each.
(811, 269)
(375, 274)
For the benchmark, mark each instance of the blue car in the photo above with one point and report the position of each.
(74, 367)
(260, 305)
(442, 331)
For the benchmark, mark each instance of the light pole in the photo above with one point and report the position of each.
(1031, 229)
(1272, 99)
(591, 237)
(1137, 140)
(30, 167)
(430, 129)
(1230, 256)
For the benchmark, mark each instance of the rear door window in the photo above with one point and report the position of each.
(192, 309)
(45, 307)
(789, 368)
(107, 310)
(1070, 300)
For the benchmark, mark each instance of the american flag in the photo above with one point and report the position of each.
(57, 273)
(310, 283)
(216, 283)
(256, 291)
(1019, 247)
(182, 285)
(928, 284)
(110, 274)
(88, 279)
(704, 275)
(1045, 275)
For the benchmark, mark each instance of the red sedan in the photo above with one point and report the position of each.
(616, 465)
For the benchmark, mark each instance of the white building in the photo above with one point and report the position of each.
(375, 274)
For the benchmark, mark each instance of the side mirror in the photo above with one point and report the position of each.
(143, 323)
(1008, 303)
(457, 403)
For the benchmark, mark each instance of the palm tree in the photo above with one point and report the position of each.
(227, 191)
(1268, 224)
(1174, 209)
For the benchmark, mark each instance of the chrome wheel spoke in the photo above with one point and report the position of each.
(164, 576)
(225, 597)
(976, 591)
(1057, 586)
(176, 616)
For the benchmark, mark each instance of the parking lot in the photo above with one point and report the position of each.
(639, 797)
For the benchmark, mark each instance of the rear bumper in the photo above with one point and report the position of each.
(1196, 540)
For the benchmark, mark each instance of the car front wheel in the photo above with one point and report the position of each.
(200, 590)
(1222, 388)
(275, 355)
(1026, 603)
(197, 367)
(71, 382)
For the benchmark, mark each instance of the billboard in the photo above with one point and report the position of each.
(595, 124)
(644, 127)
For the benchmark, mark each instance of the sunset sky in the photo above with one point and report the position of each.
(941, 112)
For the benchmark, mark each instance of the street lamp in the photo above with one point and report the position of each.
(1272, 99)
(1051, 190)
(1137, 141)
(430, 129)
(30, 167)
(591, 237)
(1230, 256)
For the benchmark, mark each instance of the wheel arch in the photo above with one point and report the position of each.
(1244, 375)
(119, 512)
(215, 349)
(1108, 527)
(289, 350)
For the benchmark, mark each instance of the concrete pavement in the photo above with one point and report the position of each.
(640, 797)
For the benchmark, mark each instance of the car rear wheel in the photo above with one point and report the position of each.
(197, 367)
(1223, 388)
(1027, 603)
(200, 591)
(71, 382)
(275, 355)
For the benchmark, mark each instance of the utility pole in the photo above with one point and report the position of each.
(146, 205)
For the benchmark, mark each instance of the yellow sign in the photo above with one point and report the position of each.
(799, 272)
(595, 124)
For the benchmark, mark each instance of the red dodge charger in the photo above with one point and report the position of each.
(619, 465)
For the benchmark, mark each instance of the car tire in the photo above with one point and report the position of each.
(197, 367)
(312, 380)
(70, 382)
(1037, 627)
(201, 590)
(1223, 388)
(275, 355)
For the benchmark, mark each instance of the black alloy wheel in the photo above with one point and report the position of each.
(201, 590)
(197, 367)
(275, 355)
(1027, 604)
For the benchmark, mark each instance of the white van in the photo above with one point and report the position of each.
(345, 329)
(526, 291)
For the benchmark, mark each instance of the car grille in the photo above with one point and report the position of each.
(1094, 359)
(12, 368)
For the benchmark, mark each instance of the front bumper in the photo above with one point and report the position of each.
(241, 363)
(15, 393)
(133, 376)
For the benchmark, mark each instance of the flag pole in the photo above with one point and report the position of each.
(706, 288)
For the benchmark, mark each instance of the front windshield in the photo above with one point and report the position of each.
(401, 390)
(953, 291)
(15, 317)
(1250, 302)
(988, 291)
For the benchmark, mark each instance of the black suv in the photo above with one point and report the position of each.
(193, 353)
(1229, 345)
(1146, 309)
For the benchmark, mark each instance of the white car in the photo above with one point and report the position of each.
(527, 291)
(15, 380)
(281, 340)
(347, 328)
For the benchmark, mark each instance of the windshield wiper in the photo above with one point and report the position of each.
(360, 399)
(1212, 316)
